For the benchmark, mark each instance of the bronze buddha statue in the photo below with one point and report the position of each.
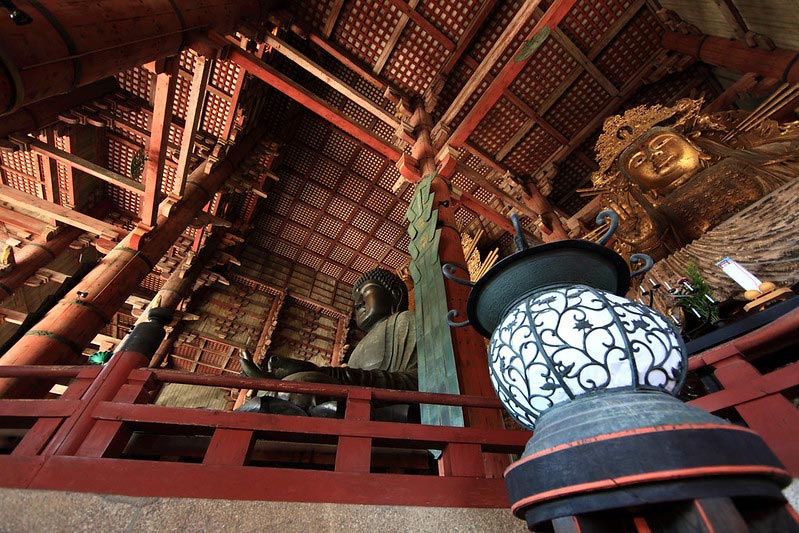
(670, 184)
(384, 358)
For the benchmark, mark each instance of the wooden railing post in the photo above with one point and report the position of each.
(774, 417)
(463, 460)
(107, 438)
(43, 429)
(354, 454)
(229, 447)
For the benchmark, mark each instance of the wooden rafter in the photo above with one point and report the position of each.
(388, 49)
(479, 208)
(626, 91)
(409, 9)
(78, 163)
(309, 66)
(63, 214)
(352, 63)
(497, 49)
(303, 96)
(729, 11)
(463, 43)
(556, 12)
(165, 85)
(10, 216)
(203, 68)
(330, 23)
(504, 197)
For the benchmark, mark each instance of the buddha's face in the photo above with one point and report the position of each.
(660, 160)
(373, 302)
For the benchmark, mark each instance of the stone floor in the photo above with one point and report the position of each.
(55, 512)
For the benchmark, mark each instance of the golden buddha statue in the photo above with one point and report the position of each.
(672, 173)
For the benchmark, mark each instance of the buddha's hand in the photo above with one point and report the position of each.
(250, 368)
(281, 367)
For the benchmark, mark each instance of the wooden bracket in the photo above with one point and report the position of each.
(408, 168)
(447, 160)
(139, 235)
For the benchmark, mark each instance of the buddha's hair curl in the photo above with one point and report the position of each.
(388, 280)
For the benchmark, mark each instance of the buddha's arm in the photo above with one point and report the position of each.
(381, 379)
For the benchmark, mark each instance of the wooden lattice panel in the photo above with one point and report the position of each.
(64, 179)
(215, 114)
(544, 73)
(340, 148)
(498, 127)
(364, 27)
(315, 14)
(225, 76)
(493, 27)
(588, 20)
(528, 156)
(631, 49)
(180, 103)
(153, 281)
(572, 173)
(138, 81)
(357, 114)
(569, 114)
(119, 157)
(415, 60)
(451, 17)
(22, 171)
(368, 164)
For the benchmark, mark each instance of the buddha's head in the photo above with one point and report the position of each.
(377, 295)
(660, 159)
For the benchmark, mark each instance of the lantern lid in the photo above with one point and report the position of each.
(556, 263)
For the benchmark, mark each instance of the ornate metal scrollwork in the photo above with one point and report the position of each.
(601, 218)
(564, 342)
(641, 258)
(453, 313)
(448, 269)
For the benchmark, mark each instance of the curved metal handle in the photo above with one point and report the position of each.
(601, 218)
(449, 272)
(453, 313)
(648, 263)
(518, 239)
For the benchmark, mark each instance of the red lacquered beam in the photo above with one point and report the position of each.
(317, 429)
(772, 337)
(38, 408)
(35, 371)
(336, 391)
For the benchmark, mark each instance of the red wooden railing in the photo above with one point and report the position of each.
(82, 442)
(104, 435)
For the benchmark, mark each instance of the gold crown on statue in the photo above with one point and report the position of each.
(620, 131)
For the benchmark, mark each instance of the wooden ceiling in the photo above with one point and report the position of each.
(321, 200)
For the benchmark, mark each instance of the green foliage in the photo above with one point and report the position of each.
(698, 300)
(100, 358)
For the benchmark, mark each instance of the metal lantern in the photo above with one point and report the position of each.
(596, 375)
(565, 341)
(560, 328)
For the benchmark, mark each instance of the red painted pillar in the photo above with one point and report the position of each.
(736, 55)
(33, 256)
(71, 44)
(76, 319)
(468, 346)
(551, 227)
